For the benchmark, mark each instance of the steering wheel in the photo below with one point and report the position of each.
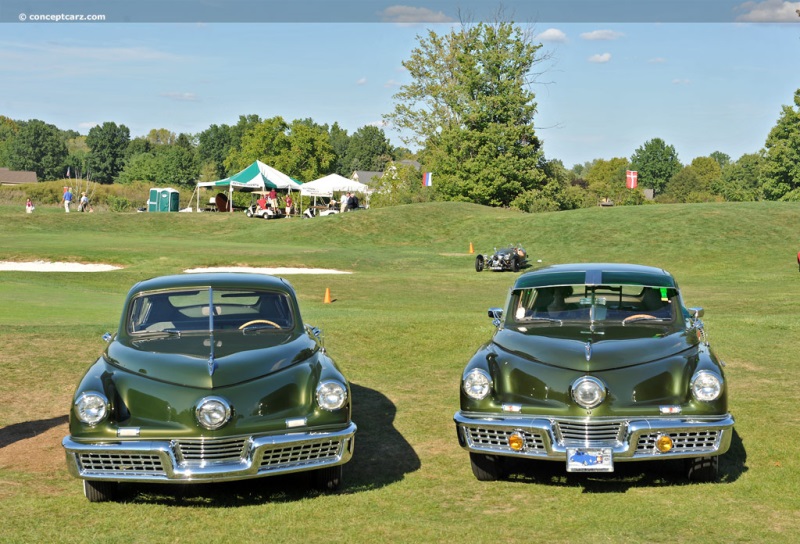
(638, 316)
(255, 321)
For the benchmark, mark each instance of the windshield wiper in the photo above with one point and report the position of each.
(541, 320)
(170, 333)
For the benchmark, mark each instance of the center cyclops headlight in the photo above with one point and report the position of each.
(213, 412)
(91, 407)
(477, 384)
(331, 395)
(588, 391)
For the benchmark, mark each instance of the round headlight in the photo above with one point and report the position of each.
(91, 408)
(588, 391)
(213, 412)
(477, 384)
(706, 386)
(331, 395)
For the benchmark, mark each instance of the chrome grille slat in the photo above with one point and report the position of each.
(128, 463)
(571, 432)
(682, 441)
(495, 438)
(301, 453)
(211, 451)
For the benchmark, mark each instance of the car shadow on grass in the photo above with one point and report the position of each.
(28, 429)
(644, 474)
(382, 456)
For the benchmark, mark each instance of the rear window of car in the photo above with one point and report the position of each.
(187, 310)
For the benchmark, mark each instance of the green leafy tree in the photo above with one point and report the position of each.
(108, 144)
(78, 155)
(606, 179)
(693, 183)
(723, 159)
(264, 141)
(369, 149)
(400, 184)
(656, 163)
(8, 131)
(40, 147)
(741, 181)
(213, 147)
(306, 153)
(339, 142)
(160, 136)
(782, 158)
(471, 108)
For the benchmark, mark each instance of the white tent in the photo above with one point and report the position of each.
(332, 183)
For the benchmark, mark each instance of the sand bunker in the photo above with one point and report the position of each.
(45, 266)
(274, 271)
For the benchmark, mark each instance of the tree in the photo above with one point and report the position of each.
(160, 136)
(471, 109)
(78, 158)
(308, 154)
(399, 184)
(264, 141)
(368, 149)
(606, 179)
(339, 142)
(656, 163)
(723, 159)
(8, 131)
(741, 180)
(40, 147)
(213, 147)
(108, 144)
(782, 158)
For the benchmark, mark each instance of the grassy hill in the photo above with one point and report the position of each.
(401, 327)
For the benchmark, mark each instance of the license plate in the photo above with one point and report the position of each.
(589, 460)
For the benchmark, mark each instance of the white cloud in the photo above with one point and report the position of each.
(410, 14)
(552, 35)
(769, 11)
(600, 58)
(597, 35)
(361, 81)
(657, 60)
(392, 83)
(680, 81)
(180, 97)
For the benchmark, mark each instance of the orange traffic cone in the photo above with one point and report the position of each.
(327, 299)
(471, 249)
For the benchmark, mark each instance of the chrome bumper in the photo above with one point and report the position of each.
(629, 439)
(209, 460)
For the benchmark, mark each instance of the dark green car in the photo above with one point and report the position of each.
(593, 365)
(210, 377)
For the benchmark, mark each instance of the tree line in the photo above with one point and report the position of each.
(469, 110)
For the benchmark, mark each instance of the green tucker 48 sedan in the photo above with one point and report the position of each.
(591, 365)
(210, 377)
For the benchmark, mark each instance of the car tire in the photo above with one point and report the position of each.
(100, 491)
(702, 469)
(248, 212)
(328, 478)
(479, 263)
(486, 468)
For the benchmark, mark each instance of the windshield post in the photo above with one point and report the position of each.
(211, 363)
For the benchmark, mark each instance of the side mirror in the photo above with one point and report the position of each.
(497, 316)
(107, 337)
(696, 313)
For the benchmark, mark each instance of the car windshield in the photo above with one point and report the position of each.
(198, 310)
(621, 304)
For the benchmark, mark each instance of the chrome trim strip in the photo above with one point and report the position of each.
(161, 464)
(697, 436)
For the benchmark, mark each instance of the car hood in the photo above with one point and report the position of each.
(583, 350)
(185, 361)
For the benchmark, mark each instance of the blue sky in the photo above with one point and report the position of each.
(711, 81)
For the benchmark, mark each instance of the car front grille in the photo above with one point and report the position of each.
(570, 432)
(682, 441)
(204, 452)
(298, 454)
(120, 463)
(496, 438)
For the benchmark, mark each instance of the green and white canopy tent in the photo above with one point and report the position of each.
(256, 177)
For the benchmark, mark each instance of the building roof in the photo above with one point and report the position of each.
(365, 176)
(16, 177)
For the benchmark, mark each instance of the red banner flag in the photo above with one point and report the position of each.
(631, 179)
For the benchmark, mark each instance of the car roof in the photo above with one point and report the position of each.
(236, 280)
(596, 274)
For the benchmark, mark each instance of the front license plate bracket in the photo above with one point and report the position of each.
(589, 460)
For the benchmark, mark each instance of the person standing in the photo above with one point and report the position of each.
(273, 199)
(67, 199)
(29, 206)
(289, 203)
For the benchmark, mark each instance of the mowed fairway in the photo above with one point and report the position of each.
(401, 327)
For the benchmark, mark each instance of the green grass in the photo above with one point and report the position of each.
(401, 327)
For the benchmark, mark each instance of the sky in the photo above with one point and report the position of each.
(703, 75)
